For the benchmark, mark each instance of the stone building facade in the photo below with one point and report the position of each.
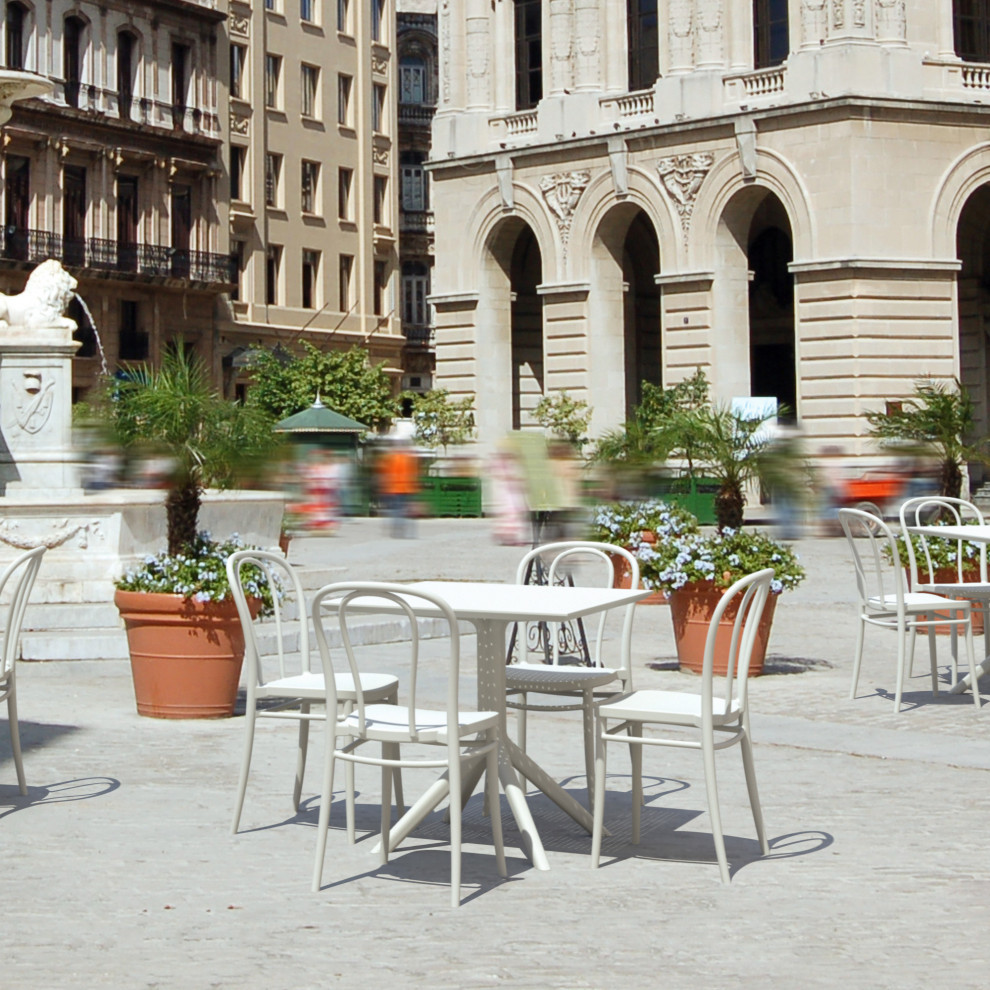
(791, 194)
(119, 175)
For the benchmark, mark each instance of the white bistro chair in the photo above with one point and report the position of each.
(725, 713)
(885, 601)
(462, 736)
(19, 574)
(282, 677)
(568, 677)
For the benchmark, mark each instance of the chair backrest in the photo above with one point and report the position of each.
(248, 572)
(19, 574)
(879, 574)
(743, 603)
(588, 564)
(344, 601)
(924, 558)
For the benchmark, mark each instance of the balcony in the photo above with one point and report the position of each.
(416, 222)
(99, 255)
(418, 335)
(416, 113)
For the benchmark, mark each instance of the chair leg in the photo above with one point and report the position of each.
(711, 788)
(901, 643)
(911, 643)
(588, 720)
(636, 762)
(598, 805)
(521, 731)
(15, 739)
(386, 810)
(953, 648)
(494, 806)
(933, 656)
(454, 768)
(754, 795)
(971, 660)
(349, 801)
(249, 720)
(858, 658)
(304, 708)
(326, 795)
(400, 801)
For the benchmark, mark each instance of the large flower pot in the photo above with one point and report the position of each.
(186, 656)
(691, 609)
(622, 578)
(949, 575)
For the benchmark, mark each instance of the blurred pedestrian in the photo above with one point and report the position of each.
(398, 484)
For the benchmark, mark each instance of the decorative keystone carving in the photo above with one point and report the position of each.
(682, 176)
(562, 190)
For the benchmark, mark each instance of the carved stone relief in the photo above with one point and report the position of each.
(710, 36)
(859, 13)
(239, 124)
(478, 72)
(682, 176)
(587, 43)
(34, 400)
(240, 24)
(444, 33)
(891, 20)
(838, 13)
(379, 64)
(379, 156)
(81, 534)
(562, 190)
(813, 16)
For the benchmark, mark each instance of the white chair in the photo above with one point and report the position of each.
(707, 714)
(924, 510)
(885, 601)
(463, 736)
(296, 688)
(20, 574)
(569, 674)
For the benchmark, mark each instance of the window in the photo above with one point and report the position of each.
(529, 53)
(73, 214)
(72, 59)
(271, 5)
(343, 99)
(273, 175)
(16, 16)
(412, 180)
(273, 262)
(343, 16)
(771, 40)
(971, 25)
(344, 283)
(381, 284)
(238, 159)
(412, 80)
(17, 214)
(133, 342)
(307, 11)
(378, 108)
(238, 58)
(644, 47)
(377, 19)
(344, 177)
(127, 223)
(180, 82)
(273, 70)
(310, 276)
(311, 187)
(237, 254)
(126, 46)
(181, 209)
(380, 205)
(415, 289)
(310, 90)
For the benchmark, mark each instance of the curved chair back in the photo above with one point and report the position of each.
(879, 580)
(744, 603)
(926, 510)
(19, 574)
(589, 564)
(248, 571)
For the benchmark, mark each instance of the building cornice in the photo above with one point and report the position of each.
(913, 268)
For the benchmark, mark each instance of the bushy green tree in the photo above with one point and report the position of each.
(564, 418)
(439, 420)
(346, 382)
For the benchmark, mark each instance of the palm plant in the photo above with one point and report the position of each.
(175, 411)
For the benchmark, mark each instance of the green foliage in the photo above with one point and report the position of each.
(439, 420)
(346, 381)
(936, 419)
(564, 418)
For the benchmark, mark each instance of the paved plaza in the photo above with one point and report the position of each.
(120, 871)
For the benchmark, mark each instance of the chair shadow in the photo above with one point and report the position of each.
(923, 697)
(775, 664)
(33, 735)
(80, 789)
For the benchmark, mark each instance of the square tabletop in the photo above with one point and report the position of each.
(972, 534)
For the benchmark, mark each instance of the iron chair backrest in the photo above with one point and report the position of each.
(346, 599)
(283, 582)
(747, 599)
(20, 573)
(919, 511)
(880, 583)
(598, 559)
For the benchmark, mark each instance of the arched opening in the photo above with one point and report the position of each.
(72, 58)
(126, 68)
(641, 309)
(16, 21)
(525, 274)
(973, 249)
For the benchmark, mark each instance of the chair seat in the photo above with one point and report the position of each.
(390, 723)
(917, 601)
(671, 707)
(550, 677)
(309, 686)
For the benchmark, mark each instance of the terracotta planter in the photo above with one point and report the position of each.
(623, 579)
(185, 656)
(949, 575)
(691, 609)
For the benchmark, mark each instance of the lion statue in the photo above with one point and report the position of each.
(44, 299)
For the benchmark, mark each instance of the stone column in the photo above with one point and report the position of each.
(681, 36)
(587, 48)
(813, 16)
(559, 49)
(709, 19)
(478, 47)
(891, 23)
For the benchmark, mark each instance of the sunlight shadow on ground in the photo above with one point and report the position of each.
(81, 789)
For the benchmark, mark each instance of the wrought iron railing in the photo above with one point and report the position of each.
(101, 254)
(417, 333)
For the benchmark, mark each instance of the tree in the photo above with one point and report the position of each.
(936, 419)
(346, 381)
(564, 418)
(440, 420)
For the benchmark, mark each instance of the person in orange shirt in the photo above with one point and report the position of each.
(398, 481)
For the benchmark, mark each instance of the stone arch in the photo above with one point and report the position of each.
(961, 179)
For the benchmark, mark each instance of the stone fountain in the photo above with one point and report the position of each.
(91, 537)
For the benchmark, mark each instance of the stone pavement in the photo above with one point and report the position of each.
(119, 869)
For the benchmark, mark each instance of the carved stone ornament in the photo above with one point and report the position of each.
(444, 52)
(891, 20)
(838, 13)
(682, 176)
(813, 15)
(379, 64)
(859, 13)
(562, 190)
(46, 296)
(240, 24)
(379, 156)
(33, 401)
(239, 124)
(61, 533)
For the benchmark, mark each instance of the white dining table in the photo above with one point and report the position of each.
(491, 608)
(970, 534)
